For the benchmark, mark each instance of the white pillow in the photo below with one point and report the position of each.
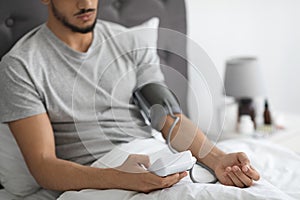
(147, 32)
(14, 174)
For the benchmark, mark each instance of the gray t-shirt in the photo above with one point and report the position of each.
(86, 95)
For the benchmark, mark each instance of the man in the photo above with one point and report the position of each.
(55, 127)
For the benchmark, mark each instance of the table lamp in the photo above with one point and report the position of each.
(244, 82)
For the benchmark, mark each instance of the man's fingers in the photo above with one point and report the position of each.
(226, 179)
(175, 178)
(246, 167)
(182, 175)
(168, 181)
(252, 173)
(235, 180)
(247, 181)
(140, 159)
(135, 163)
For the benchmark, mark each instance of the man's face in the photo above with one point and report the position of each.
(78, 15)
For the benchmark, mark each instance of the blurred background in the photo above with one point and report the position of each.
(266, 29)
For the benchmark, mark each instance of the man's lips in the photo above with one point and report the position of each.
(85, 16)
(84, 11)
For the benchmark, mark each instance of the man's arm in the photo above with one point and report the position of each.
(230, 169)
(35, 138)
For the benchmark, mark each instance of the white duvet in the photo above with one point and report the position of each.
(279, 168)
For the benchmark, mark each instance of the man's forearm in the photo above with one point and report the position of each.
(61, 175)
(186, 135)
(35, 138)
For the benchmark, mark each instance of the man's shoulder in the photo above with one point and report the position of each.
(26, 44)
(24, 50)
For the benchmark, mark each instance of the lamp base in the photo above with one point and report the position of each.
(246, 107)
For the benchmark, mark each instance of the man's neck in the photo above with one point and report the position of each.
(76, 41)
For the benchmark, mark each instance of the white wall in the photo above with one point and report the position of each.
(268, 29)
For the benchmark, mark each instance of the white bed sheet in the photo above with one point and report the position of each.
(279, 168)
(39, 195)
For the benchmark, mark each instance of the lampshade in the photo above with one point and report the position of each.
(243, 78)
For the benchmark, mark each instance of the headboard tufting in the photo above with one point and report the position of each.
(19, 16)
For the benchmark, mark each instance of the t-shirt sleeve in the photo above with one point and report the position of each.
(148, 67)
(19, 97)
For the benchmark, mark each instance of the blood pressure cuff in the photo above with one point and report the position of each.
(156, 101)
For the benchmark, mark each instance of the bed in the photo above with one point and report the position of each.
(278, 165)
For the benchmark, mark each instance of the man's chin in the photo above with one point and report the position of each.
(84, 29)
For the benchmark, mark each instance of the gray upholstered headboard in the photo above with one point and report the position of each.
(19, 16)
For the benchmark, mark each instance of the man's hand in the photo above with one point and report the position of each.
(135, 163)
(231, 169)
(132, 175)
(234, 169)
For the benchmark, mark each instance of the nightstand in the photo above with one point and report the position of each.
(289, 137)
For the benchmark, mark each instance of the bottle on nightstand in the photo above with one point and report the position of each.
(267, 126)
(267, 114)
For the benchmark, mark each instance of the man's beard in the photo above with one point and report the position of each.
(67, 24)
